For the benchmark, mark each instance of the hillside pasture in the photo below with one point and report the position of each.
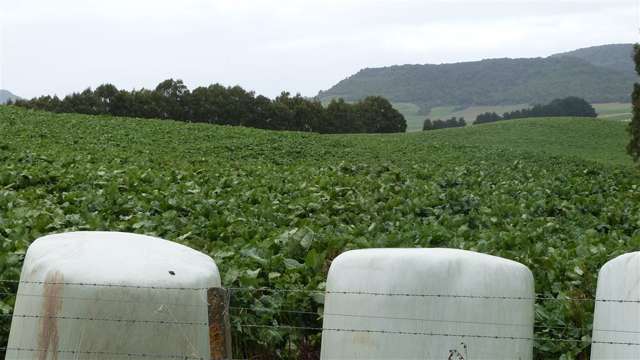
(614, 111)
(411, 112)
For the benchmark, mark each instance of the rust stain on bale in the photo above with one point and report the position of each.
(48, 336)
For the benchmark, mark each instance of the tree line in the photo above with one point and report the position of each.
(442, 124)
(570, 106)
(217, 104)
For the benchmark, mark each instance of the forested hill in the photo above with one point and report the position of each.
(584, 73)
(6, 95)
(615, 56)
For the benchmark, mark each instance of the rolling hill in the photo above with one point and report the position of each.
(599, 74)
(6, 95)
(615, 56)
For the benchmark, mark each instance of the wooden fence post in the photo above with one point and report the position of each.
(219, 326)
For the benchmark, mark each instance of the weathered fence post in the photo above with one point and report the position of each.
(219, 326)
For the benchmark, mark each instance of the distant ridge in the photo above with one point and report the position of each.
(614, 56)
(6, 95)
(598, 74)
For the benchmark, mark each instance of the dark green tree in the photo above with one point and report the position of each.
(427, 125)
(302, 114)
(487, 118)
(443, 124)
(341, 118)
(378, 116)
(569, 106)
(633, 148)
(170, 97)
(106, 95)
(261, 115)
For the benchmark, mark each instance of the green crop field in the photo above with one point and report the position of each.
(274, 208)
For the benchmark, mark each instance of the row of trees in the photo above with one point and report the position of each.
(217, 104)
(487, 118)
(442, 124)
(570, 106)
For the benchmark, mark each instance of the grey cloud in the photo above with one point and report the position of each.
(269, 46)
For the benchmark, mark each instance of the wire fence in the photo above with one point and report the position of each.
(536, 297)
(324, 292)
(271, 318)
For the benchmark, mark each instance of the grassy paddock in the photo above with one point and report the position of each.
(609, 111)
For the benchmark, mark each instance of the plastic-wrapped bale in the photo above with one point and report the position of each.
(427, 304)
(105, 295)
(617, 322)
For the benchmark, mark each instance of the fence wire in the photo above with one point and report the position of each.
(240, 324)
(109, 353)
(419, 333)
(325, 314)
(386, 317)
(86, 284)
(536, 297)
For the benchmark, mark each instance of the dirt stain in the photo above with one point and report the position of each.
(48, 336)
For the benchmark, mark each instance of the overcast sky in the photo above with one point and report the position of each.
(56, 47)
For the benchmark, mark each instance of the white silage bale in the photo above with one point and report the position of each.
(427, 304)
(616, 323)
(103, 295)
